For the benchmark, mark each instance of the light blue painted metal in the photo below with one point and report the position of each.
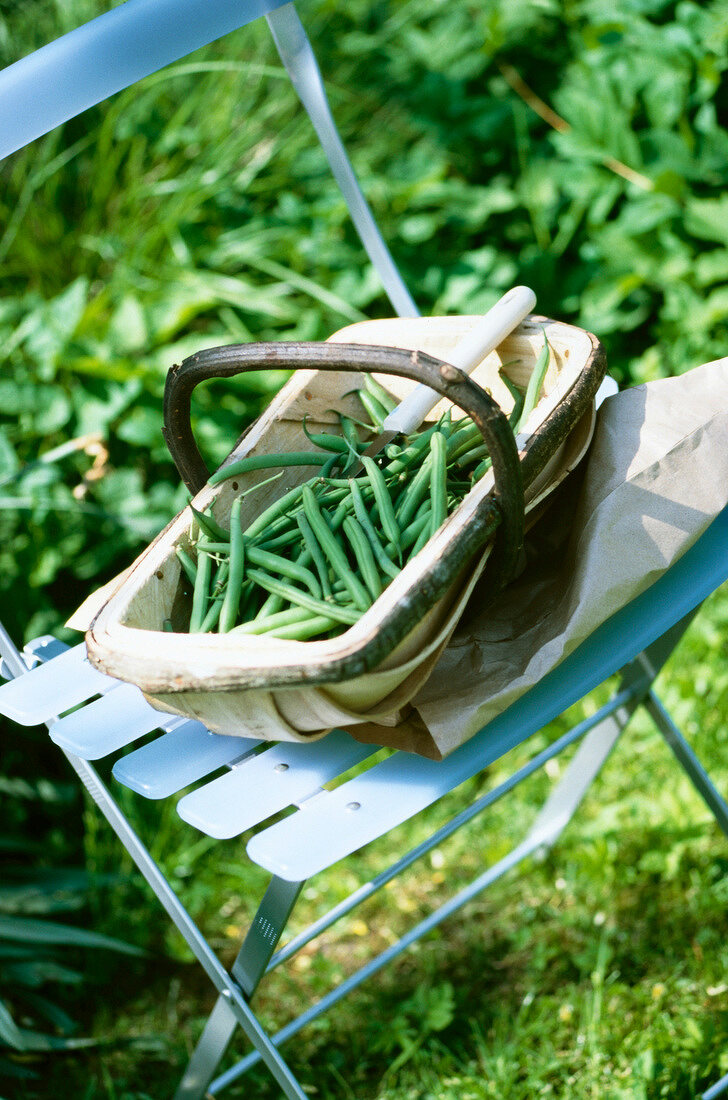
(259, 787)
(109, 53)
(264, 933)
(298, 57)
(369, 805)
(514, 857)
(12, 660)
(536, 762)
(716, 1090)
(153, 875)
(53, 688)
(179, 758)
(210, 1048)
(689, 761)
(110, 723)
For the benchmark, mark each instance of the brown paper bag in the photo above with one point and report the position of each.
(656, 476)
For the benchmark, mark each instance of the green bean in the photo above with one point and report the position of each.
(473, 455)
(414, 493)
(411, 533)
(281, 618)
(483, 468)
(375, 409)
(293, 570)
(444, 424)
(336, 489)
(515, 414)
(518, 399)
(213, 547)
(211, 615)
(187, 564)
(339, 515)
(438, 481)
(210, 526)
(377, 390)
(364, 556)
(333, 551)
(271, 606)
(422, 539)
(267, 462)
(286, 538)
(274, 603)
(236, 576)
(331, 464)
(301, 632)
(382, 498)
(315, 551)
(325, 440)
(535, 383)
(279, 507)
(461, 441)
(249, 599)
(220, 577)
(201, 591)
(384, 562)
(348, 427)
(303, 599)
(411, 452)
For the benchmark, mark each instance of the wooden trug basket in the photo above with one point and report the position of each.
(279, 689)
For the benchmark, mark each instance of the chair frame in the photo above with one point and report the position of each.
(634, 644)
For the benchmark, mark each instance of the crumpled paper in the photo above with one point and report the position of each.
(655, 478)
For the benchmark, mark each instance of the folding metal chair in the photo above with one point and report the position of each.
(92, 717)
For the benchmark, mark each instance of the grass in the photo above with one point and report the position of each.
(195, 209)
(596, 973)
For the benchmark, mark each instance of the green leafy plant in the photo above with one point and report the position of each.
(39, 954)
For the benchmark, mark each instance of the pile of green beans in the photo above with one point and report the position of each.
(310, 564)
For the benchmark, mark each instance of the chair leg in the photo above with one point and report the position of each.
(589, 759)
(716, 1090)
(226, 986)
(592, 754)
(261, 941)
(265, 933)
(689, 762)
(297, 55)
(209, 1051)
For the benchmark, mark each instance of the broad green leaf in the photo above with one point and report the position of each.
(29, 930)
(707, 219)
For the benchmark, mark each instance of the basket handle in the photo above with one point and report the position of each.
(418, 366)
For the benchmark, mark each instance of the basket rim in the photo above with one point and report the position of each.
(171, 663)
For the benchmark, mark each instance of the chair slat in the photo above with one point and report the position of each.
(365, 808)
(109, 723)
(279, 777)
(53, 688)
(403, 785)
(178, 758)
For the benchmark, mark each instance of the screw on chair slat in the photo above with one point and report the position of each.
(261, 786)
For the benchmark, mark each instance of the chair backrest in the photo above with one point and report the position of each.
(109, 53)
(121, 47)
